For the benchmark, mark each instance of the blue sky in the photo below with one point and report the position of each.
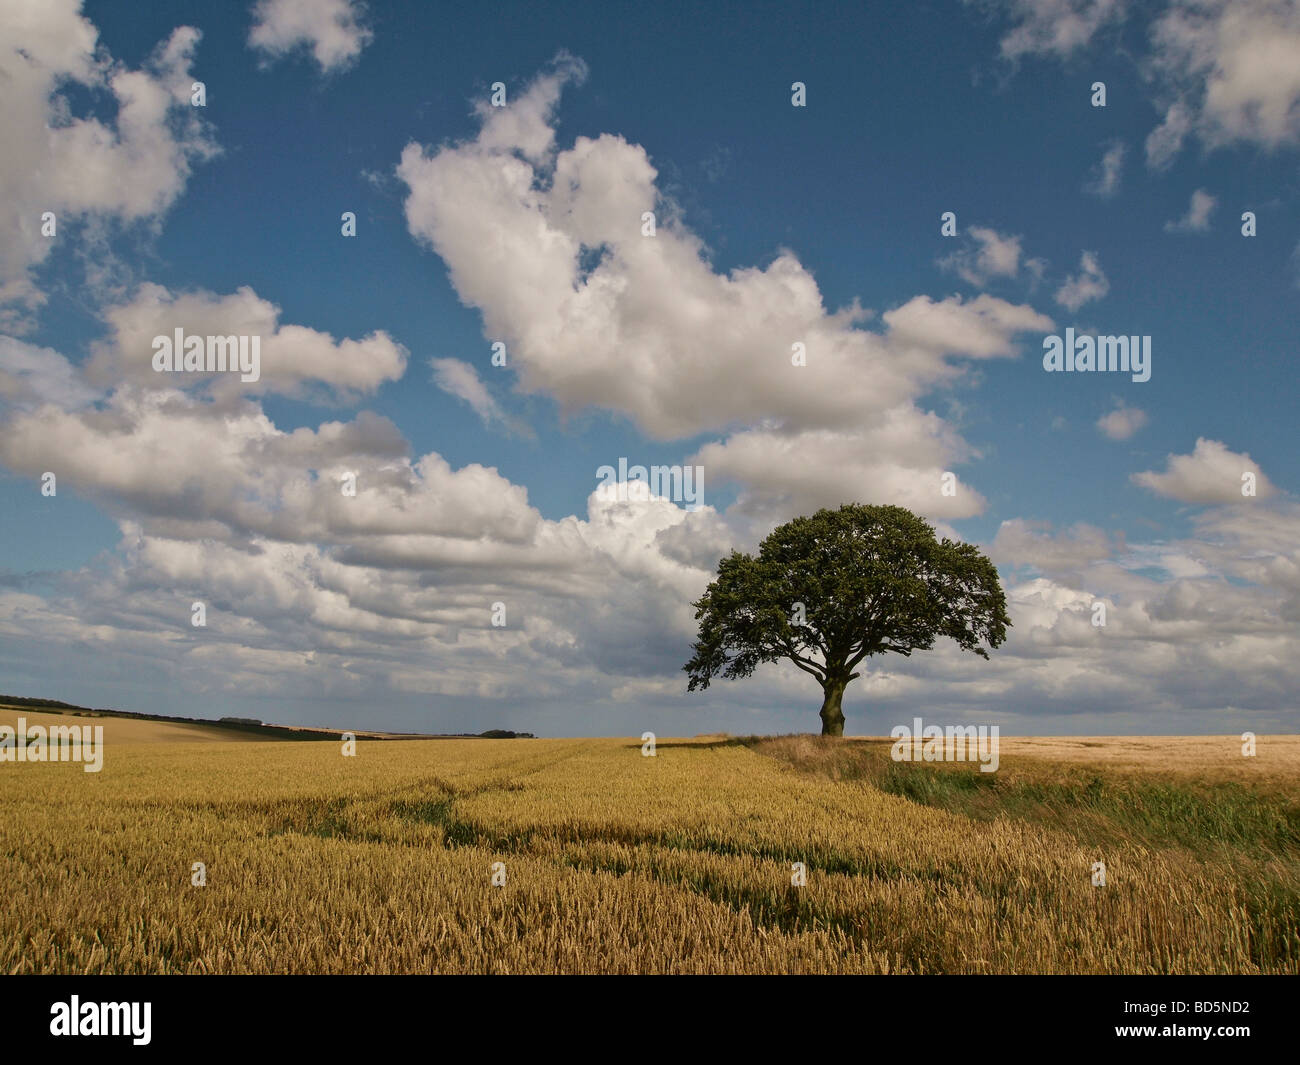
(380, 615)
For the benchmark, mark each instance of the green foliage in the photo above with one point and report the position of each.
(871, 579)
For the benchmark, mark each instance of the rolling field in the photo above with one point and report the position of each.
(679, 863)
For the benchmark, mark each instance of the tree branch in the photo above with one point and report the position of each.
(811, 667)
(806, 664)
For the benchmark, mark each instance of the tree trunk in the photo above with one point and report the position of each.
(832, 715)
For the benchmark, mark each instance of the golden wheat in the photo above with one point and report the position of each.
(614, 862)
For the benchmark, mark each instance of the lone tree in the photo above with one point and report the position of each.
(828, 591)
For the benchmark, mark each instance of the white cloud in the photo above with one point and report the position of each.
(1122, 422)
(388, 593)
(982, 328)
(548, 245)
(1227, 71)
(32, 376)
(1106, 175)
(367, 598)
(1056, 27)
(1087, 285)
(187, 467)
(460, 379)
(800, 472)
(1210, 474)
(295, 360)
(1258, 545)
(313, 593)
(1197, 218)
(1207, 645)
(992, 255)
(128, 170)
(389, 588)
(1030, 543)
(1166, 140)
(1222, 71)
(334, 30)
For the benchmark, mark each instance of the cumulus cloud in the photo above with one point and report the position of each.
(333, 30)
(989, 255)
(295, 360)
(548, 244)
(1226, 71)
(1087, 285)
(130, 169)
(388, 588)
(1197, 218)
(1031, 543)
(800, 472)
(1210, 474)
(1196, 631)
(1122, 422)
(313, 591)
(389, 593)
(1221, 71)
(31, 376)
(391, 587)
(180, 466)
(1258, 546)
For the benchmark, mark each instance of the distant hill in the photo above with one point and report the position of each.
(250, 727)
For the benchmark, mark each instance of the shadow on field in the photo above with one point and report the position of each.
(696, 745)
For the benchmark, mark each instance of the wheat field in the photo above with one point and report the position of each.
(619, 863)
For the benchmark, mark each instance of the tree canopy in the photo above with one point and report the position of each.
(829, 591)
